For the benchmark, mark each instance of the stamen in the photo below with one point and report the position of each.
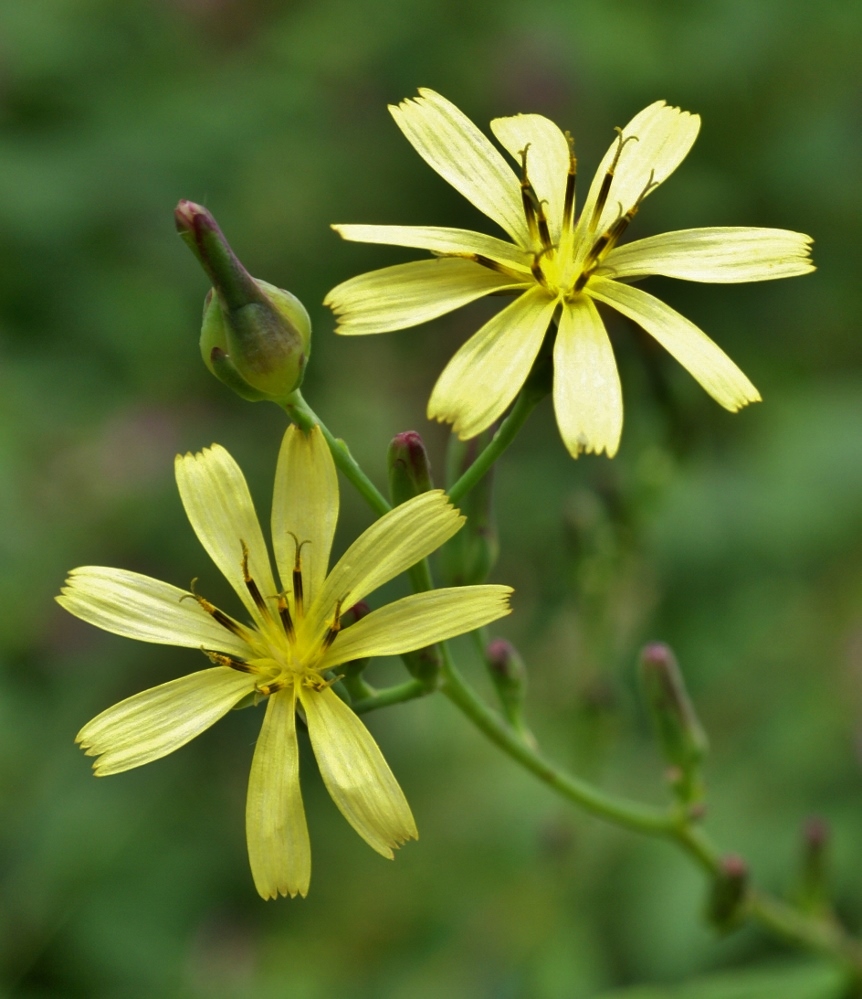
(583, 277)
(544, 233)
(334, 628)
(492, 265)
(536, 269)
(286, 620)
(571, 178)
(214, 612)
(605, 189)
(528, 195)
(297, 575)
(220, 659)
(251, 585)
(319, 684)
(608, 239)
(272, 688)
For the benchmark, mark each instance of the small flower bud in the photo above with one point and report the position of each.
(507, 672)
(677, 726)
(424, 665)
(727, 896)
(409, 467)
(469, 557)
(255, 337)
(813, 889)
(509, 676)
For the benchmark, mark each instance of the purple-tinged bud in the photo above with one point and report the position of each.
(409, 467)
(255, 337)
(507, 669)
(424, 665)
(356, 613)
(509, 675)
(678, 729)
(728, 893)
(813, 891)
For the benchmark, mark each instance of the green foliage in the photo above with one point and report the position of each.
(802, 982)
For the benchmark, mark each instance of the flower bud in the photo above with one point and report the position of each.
(424, 665)
(677, 726)
(469, 557)
(727, 896)
(409, 467)
(509, 676)
(507, 672)
(813, 894)
(255, 337)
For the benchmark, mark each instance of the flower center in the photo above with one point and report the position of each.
(565, 267)
(282, 653)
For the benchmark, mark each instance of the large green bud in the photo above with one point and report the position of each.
(255, 338)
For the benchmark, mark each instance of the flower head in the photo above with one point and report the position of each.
(288, 653)
(559, 264)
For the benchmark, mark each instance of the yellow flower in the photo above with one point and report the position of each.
(287, 653)
(559, 265)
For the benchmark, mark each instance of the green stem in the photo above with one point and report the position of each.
(642, 818)
(814, 933)
(524, 405)
(391, 695)
(304, 417)
(818, 934)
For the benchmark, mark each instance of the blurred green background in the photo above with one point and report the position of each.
(736, 538)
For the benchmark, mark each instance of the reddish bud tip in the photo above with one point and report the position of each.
(816, 832)
(356, 613)
(409, 467)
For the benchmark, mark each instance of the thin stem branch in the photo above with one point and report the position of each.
(821, 935)
(631, 815)
(824, 936)
(524, 405)
(304, 416)
(396, 694)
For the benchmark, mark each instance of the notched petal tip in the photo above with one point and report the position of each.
(749, 400)
(282, 891)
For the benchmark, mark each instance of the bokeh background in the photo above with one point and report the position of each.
(736, 538)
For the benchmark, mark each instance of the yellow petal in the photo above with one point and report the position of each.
(588, 399)
(720, 255)
(278, 848)
(408, 294)
(706, 361)
(419, 620)
(547, 159)
(135, 606)
(487, 373)
(219, 506)
(304, 508)
(656, 141)
(392, 544)
(355, 773)
(452, 145)
(441, 240)
(157, 721)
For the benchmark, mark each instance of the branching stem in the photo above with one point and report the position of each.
(304, 417)
(821, 935)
